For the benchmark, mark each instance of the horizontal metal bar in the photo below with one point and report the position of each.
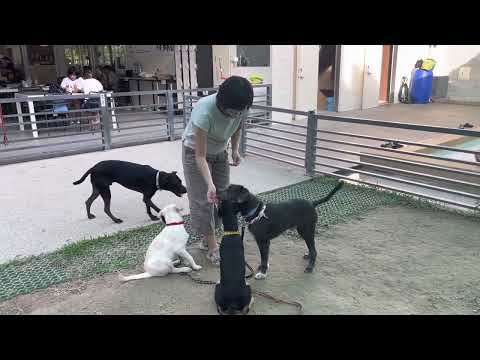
(399, 151)
(52, 113)
(249, 125)
(55, 136)
(399, 141)
(43, 98)
(276, 152)
(274, 158)
(174, 91)
(135, 127)
(120, 122)
(408, 172)
(140, 113)
(136, 133)
(399, 125)
(281, 110)
(279, 122)
(117, 108)
(276, 137)
(395, 189)
(19, 148)
(48, 121)
(276, 144)
(409, 182)
(398, 161)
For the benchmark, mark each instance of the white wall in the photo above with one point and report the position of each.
(450, 57)
(352, 64)
(283, 73)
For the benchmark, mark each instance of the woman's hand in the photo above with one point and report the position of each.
(212, 194)
(236, 158)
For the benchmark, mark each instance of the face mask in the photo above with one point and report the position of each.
(235, 113)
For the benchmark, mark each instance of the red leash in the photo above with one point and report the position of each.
(4, 127)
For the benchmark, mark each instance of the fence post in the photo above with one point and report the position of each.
(310, 149)
(269, 102)
(105, 121)
(243, 138)
(186, 104)
(170, 116)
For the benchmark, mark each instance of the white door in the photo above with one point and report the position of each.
(306, 82)
(371, 76)
(221, 63)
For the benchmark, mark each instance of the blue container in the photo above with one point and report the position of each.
(330, 104)
(421, 86)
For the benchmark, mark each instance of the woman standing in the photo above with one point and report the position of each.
(214, 121)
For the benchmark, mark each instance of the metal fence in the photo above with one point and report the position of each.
(38, 126)
(308, 144)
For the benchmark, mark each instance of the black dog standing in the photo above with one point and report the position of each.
(232, 294)
(136, 177)
(266, 223)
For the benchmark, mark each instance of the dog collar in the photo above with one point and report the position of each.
(156, 180)
(176, 223)
(226, 233)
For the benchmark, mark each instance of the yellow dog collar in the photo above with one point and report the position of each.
(226, 233)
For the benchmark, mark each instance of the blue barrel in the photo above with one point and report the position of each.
(330, 104)
(421, 86)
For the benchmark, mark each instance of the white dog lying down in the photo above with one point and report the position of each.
(166, 247)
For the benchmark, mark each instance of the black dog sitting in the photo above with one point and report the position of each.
(266, 223)
(232, 294)
(141, 178)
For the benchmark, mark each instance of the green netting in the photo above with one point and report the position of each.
(89, 258)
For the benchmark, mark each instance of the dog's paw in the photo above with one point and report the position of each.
(118, 221)
(154, 218)
(196, 267)
(308, 270)
(260, 276)
(91, 216)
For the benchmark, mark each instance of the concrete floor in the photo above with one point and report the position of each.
(42, 210)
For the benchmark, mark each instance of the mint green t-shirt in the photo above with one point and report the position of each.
(219, 128)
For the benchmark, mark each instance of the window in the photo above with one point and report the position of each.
(114, 55)
(253, 55)
(77, 55)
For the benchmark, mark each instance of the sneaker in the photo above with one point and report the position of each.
(214, 257)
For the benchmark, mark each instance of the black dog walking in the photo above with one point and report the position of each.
(232, 294)
(136, 177)
(267, 222)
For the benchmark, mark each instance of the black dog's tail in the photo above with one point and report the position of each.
(82, 179)
(328, 197)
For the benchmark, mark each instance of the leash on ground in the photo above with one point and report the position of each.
(297, 304)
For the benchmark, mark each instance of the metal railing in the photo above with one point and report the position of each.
(319, 150)
(47, 125)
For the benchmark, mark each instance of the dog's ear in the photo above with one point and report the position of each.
(243, 195)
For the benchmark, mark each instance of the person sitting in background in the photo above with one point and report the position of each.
(71, 83)
(91, 85)
(110, 78)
